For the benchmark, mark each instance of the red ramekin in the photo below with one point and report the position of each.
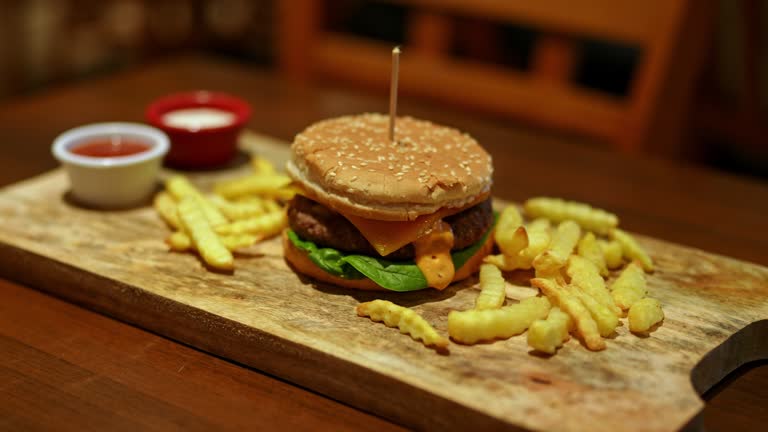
(202, 148)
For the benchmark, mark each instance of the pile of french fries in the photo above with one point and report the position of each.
(571, 248)
(240, 213)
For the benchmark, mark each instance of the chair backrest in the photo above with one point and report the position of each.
(671, 36)
(733, 104)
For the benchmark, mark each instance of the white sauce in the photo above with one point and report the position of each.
(198, 118)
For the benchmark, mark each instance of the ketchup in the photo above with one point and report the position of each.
(110, 147)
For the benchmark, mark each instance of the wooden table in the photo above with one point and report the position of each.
(66, 368)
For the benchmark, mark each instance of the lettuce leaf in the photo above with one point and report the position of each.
(328, 259)
(396, 276)
(393, 275)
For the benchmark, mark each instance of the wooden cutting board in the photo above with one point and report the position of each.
(266, 316)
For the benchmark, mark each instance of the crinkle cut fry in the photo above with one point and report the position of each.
(586, 277)
(591, 250)
(605, 318)
(205, 240)
(644, 314)
(558, 210)
(179, 241)
(614, 256)
(262, 166)
(632, 249)
(508, 263)
(510, 234)
(254, 184)
(560, 248)
(266, 225)
(407, 320)
(538, 236)
(492, 292)
(239, 210)
(547, 335)
(472, 326)
(180, 187)
(629, 287)
(166, 208)
(585, 324)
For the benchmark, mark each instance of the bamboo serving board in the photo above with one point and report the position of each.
(266, 316)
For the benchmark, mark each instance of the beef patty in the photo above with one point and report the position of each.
(327, 228)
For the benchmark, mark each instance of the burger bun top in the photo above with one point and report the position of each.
(349, 164)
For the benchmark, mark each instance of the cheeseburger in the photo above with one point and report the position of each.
(377, 214)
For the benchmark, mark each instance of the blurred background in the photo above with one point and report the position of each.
(681, 79)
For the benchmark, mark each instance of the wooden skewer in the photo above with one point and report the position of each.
(393, 92)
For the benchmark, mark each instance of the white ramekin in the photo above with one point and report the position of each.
(112, 182)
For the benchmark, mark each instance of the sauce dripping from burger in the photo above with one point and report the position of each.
(433, 256)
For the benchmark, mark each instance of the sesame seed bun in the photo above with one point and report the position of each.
(301, 262)
(349, 164)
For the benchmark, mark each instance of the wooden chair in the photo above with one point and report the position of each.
(671, 34)
(738, 115)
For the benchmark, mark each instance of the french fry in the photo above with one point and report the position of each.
(266, 225)
(207, 243)
(559, 249)
(631, 249)
(629, 287)
(510, 235)
(166, 208)
(262, 166)
(240, 241)
(548, 335)
(492, 293)
(584, 324)
(472, 326)
(508, 263)
(240, 209)
(408, 321)
(614, 257)
(180, 187)
(179, 241)
(559, 210)
(589, 249)
(283, 194)
(604, 317)
(586, 277)
(645, 314)
(255, 184)
(538, 239)
(272, 206)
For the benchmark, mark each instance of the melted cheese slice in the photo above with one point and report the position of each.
(433, 256)
(389, 236)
